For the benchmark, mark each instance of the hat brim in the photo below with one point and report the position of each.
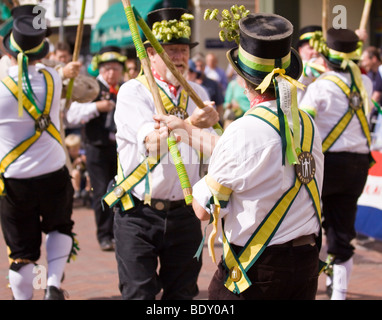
(294, 70)
(41, 54)
(190, 44)
(333, 65)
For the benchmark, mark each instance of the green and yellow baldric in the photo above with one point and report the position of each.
(42, 120)
(121, 192)
(238, 265)
(179, 110)
(355, 107)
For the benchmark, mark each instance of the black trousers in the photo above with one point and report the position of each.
(345, 176)
(32, 206)
(143, 236)
(101, 163)
(280, 273)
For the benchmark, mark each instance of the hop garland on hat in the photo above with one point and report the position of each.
(228, 21)
(166, 30)
(105, 57)
(318, 42)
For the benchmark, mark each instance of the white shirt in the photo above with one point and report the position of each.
(46, 154)
(134, 120)
(248, 160)
(330, 104)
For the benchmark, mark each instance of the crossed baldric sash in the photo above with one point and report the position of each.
(237, 265)
(121, 193)
(42, 122)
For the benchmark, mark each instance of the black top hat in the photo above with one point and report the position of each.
(29, 10)
(25, 38)
(265, 44)
(340, 42)
(25, 10)
(306, 34)
(166, 15)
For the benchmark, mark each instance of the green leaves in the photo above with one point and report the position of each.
(228, 21)
(167, 30)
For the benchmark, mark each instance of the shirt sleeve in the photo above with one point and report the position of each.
(80, 113)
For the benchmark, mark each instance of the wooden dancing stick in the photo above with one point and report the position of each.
(166, 59)
(325, 16)
(142, 55)
(77, 49)
(365, 14)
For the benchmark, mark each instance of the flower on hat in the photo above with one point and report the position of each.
(166, 30)
(228, 21)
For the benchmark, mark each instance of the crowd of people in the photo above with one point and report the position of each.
(299, 121)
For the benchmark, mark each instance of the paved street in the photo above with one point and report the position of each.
(93, 276)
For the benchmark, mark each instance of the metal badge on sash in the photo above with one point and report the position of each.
(43, 122)
(307, 168)
(179, 112)
(355, 100)
(235, 274)
(119, 191)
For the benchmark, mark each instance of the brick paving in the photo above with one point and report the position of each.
(93, 276)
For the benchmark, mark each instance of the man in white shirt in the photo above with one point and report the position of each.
(339, 101)
(164, 228)
(268, 197)
(36, 189)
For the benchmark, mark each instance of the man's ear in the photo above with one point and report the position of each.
(151, 51)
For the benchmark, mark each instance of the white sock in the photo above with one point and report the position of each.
(21, 282)
(58, 248)
(329, 281)
(341, 276)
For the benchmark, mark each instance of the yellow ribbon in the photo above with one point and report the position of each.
(20, 58)
(220, 193)
(267, 80)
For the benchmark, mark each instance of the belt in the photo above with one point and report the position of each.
(41, 177)
(164, 205)
(300, 241)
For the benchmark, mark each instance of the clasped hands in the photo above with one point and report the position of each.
(156, 141)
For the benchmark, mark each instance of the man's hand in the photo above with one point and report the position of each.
(156, 141)
(204, 117)
(105, 105)
(71, 70)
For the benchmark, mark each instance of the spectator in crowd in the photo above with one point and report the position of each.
(80, 176)
(236, 102)
(213, 88)
(214, 72)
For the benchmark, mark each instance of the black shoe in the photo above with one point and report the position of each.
(53, 293)
(107, 245)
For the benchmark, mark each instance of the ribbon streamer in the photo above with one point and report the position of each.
(286, 94)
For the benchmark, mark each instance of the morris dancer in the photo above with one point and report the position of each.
(339, 102)
(36, 188)
(265, 182)
(163, 227)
